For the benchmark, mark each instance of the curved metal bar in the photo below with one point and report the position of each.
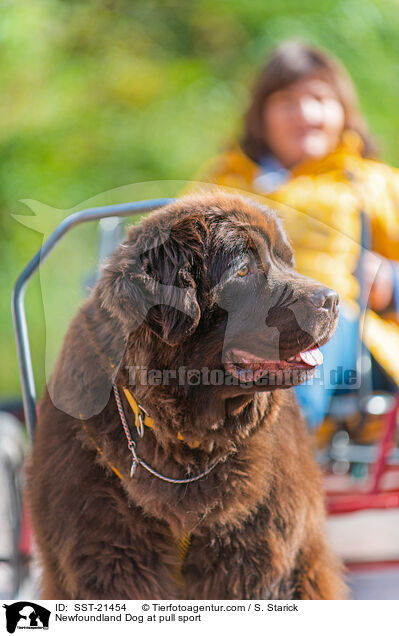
(18, 294)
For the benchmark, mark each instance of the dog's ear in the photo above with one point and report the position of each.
(150, 279)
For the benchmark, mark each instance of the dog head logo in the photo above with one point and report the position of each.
(26, 615)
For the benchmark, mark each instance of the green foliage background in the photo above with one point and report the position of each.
(103, 93)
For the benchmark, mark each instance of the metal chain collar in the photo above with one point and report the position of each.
(138, 461)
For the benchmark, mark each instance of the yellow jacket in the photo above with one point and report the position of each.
(320, 206)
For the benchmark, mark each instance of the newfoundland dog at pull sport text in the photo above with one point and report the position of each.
(170, 458)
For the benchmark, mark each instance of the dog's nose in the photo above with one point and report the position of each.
(325, 298)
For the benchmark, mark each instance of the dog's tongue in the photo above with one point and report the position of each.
(313, 357)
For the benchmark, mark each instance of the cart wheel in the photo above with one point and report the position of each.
(13, 564)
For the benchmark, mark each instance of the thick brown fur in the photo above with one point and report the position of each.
(257, 520)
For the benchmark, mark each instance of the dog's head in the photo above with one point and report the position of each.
(206, 291)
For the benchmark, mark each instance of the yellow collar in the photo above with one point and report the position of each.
(143, 419)
(141, 415)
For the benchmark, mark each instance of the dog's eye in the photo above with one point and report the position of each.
(243, 270)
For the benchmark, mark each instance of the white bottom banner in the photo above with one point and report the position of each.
(167, 617)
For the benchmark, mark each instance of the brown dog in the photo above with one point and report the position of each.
(199, 314)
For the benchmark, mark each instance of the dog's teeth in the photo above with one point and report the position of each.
(294, 358)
